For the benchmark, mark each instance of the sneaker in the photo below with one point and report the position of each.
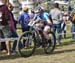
(59, 43)
(14, 52)
(8, 53)
(4, 51)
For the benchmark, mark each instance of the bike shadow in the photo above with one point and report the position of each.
(63, 51)
(39, 52)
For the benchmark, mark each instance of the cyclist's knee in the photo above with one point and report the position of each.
(46, 28)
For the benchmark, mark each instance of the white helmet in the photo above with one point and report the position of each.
(38, 9)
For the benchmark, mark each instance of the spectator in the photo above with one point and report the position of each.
(24, 19)
(69, 8)
(13, 29)
(56, 15)
(3, 46)
(5, 24)
(73, 26)
(63, 25)
(31, 14)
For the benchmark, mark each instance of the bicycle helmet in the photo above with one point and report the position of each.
(38, 10)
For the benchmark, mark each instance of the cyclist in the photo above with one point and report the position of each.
(45, 22)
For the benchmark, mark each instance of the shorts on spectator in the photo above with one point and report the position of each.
(5, 32)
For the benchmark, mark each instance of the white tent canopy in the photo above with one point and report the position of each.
(62, 2)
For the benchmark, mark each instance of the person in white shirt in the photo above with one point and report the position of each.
(56, 15)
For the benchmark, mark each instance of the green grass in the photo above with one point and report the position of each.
(64, 53)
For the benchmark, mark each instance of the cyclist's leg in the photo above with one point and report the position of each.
(39, 25)
(46, 31)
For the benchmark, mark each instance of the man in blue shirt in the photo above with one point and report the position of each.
(24, 19)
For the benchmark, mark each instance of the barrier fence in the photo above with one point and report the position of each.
(13, 39)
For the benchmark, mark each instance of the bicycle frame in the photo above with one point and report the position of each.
(40, 37)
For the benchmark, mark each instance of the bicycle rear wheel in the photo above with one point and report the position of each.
(50, 44)
(28, 44)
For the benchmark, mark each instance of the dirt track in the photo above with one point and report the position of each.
(62, 54)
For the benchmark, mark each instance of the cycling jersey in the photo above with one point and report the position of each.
(43, 16)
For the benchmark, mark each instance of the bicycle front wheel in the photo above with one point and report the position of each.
(28, 45)
(50, 43)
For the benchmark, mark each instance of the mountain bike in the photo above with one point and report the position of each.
(33, 39)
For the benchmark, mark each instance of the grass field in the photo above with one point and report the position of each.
(64, 53)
